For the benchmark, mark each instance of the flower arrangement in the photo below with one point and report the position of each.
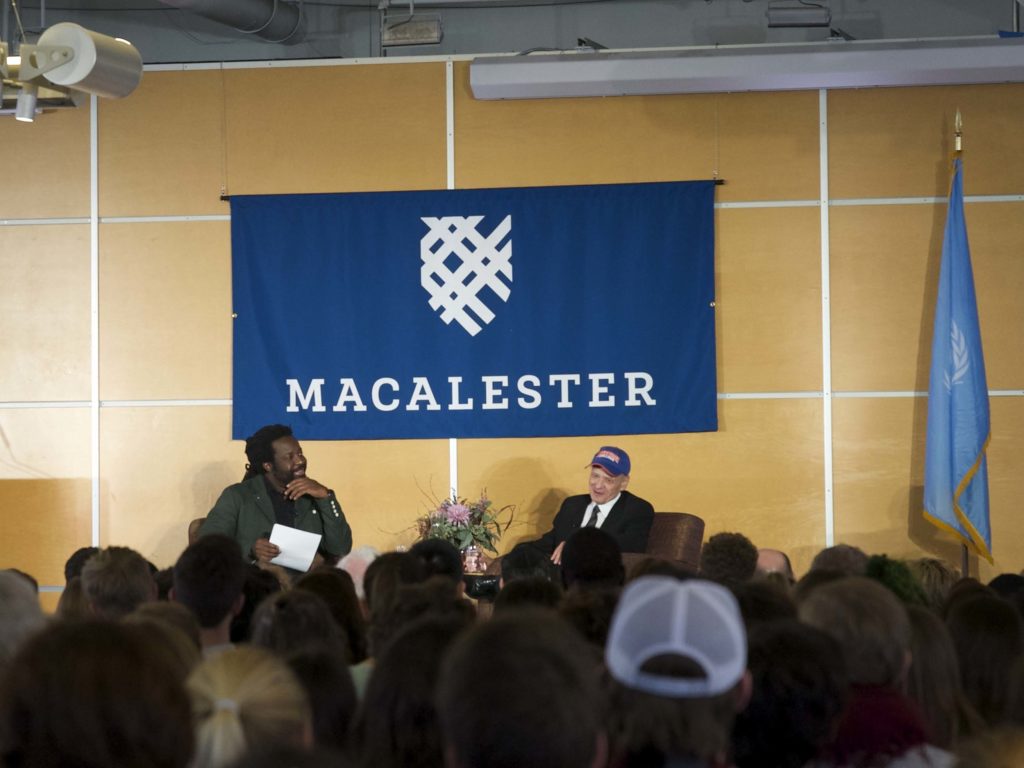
(465, 523)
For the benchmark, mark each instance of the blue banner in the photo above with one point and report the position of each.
(955, 467)
(524, 312)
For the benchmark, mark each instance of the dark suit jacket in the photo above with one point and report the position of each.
(628, 522)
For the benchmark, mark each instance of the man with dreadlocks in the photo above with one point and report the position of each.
(276, 489)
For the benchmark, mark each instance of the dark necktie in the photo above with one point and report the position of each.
(592, 522)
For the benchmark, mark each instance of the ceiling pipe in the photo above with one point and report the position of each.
(272, 20)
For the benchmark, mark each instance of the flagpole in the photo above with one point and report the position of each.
(958, 147)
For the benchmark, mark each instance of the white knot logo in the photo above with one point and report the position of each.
(459, 262)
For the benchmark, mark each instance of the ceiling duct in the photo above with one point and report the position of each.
(272, 20)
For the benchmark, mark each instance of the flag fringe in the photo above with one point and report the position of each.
(976, 539)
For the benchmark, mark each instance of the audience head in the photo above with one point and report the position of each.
(870, 625)
(172, 614)
(933, 681)
(94, 693)
(164, 633)
(75, 563)
(897, 577)
(500, 724)
(332, 696)
(335, 588)
(536, 591)
(811, 580)
(775, 561)
(964, 589)
(936, 577)
(592, 558)
(20, 614)
(439, 558)
(290, 621)
(387, 573)
(1007, 585)
(397, 725)
(590, 611)
(763, 601)
(246, 699)
(116, 581)
(677, 653)
(526, 563)
(435, 597)
(728, 558)
(72, 603)
(208, 579)
(988, 635)
(799, 690)
(259, 584)
(843, 558)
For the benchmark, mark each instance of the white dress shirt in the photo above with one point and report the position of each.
(602, 511)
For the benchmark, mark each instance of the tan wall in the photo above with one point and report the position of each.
(173, 147)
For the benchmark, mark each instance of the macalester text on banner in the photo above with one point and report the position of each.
(542, 311)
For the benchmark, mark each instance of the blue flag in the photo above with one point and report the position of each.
(955, 468)
(584, 310)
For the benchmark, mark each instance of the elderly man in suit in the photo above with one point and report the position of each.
(608, 506)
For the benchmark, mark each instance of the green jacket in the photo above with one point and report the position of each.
(245, 513)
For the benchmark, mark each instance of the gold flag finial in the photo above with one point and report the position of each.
(958, 125)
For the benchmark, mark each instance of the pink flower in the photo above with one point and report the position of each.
(458, 513)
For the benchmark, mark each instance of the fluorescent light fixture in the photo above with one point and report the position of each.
(720, 69)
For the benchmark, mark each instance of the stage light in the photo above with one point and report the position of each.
(67, 63)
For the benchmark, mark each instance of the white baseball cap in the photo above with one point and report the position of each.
(696, 619)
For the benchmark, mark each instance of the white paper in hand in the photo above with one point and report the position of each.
(297, 547)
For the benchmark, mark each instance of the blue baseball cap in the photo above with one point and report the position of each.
(613, 460)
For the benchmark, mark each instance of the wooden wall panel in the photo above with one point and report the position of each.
(763, 148)
(769, 146)
(885, 272)
(165, 299)
(996, 232)
(761, 474)
(45, 490)
(897, 142)
(48, 601)
(153, 486)
(879, 448)
(161, 468)
(48, 165)
(165, 311)
(44, 312)
(383, 485)
(336, 129)
(162, 151)
(768, 300)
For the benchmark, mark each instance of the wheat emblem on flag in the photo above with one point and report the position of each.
(961, 358)
(462, 267)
